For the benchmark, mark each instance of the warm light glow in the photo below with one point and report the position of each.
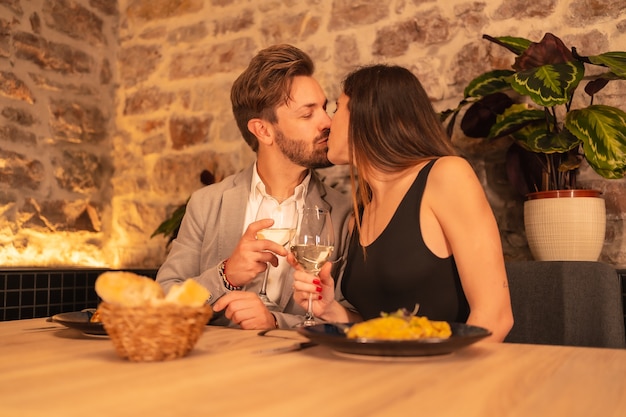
(117, 250)
(34, 249)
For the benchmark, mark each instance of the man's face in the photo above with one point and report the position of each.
(303, 125)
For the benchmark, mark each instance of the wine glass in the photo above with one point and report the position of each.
(285, 218)
(312, 246)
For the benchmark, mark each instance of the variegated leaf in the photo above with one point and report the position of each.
(513, 44)
(537, 138)
(602, 129)
(615, 61)
(513, 119)
(549, 85)
(488, 83)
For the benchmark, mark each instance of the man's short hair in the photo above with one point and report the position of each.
(266, 84)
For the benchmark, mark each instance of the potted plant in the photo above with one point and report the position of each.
(553, 131)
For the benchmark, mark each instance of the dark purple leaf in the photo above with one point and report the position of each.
(481, 115)
(596, 85)
(550, 50)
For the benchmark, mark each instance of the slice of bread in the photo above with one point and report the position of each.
(127, 288)
(189, 293)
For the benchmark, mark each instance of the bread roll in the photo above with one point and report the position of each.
(127, 288)
(189, 293)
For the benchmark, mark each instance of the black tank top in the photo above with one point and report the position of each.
(399, 270)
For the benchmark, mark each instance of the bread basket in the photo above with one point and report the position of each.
(154, 332)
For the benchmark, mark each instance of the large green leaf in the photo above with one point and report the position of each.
(531, 134)
(515, 118)
(549, 85)
(615, 61)
(513, 44)
(602, 129)
(537, 138)
(488, 83)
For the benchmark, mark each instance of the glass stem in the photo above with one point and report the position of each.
(264, 286)
(309, 310)
(309, 318)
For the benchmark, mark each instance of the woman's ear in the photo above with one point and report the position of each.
(262, 130)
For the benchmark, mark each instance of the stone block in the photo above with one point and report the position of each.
(162, 9)
(13, 134)
(244, 19)
(137, 63)
(5, 38)
(77, 122)
(188, 131)
(349, 13)
(224, 57)
(52, 56)
(80, 171)
(74, 20)
(20, 116)
(293, 27)
(147, 100)
(18, 171)
(15, 88)
(522, 8)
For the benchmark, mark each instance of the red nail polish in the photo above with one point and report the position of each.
(316, 281)
(318, 289)
(320, 297)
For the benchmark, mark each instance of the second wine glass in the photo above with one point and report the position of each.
(285, 218)
(312, 246)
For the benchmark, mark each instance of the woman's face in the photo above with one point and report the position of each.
(338, 152)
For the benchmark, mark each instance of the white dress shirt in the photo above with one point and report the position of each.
(257, 197)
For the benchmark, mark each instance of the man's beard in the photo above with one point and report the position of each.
(297, 151)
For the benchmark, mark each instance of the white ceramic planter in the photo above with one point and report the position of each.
(567, 225)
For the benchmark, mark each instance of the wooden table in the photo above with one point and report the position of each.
(48, 370)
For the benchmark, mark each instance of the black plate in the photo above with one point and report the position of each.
(79, 320)
(333, 336)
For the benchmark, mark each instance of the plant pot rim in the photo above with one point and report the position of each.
(563, 194)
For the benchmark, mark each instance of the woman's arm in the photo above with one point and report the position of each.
(455, 202)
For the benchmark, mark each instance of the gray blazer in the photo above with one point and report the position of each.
(213, 225)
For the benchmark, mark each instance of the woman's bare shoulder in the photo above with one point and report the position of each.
(453, 170)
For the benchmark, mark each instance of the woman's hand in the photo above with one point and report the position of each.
(322, 287)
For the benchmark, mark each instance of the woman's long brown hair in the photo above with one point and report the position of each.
(393, 126)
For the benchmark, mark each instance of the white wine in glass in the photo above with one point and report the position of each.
(312, 257)
(312, 247)
(285, 218)
(282, 236)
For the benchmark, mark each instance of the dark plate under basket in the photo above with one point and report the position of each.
(79, 320)
(333, 336)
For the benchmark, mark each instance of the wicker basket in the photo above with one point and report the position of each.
(154, 333)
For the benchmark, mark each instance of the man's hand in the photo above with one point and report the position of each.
(251, 256)
(245, 309)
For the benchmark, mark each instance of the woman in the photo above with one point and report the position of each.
(423, 233)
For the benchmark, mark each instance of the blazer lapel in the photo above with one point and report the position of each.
(234, 202)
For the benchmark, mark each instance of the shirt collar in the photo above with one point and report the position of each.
(258, 190)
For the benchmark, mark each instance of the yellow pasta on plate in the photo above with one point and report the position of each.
(399, 326)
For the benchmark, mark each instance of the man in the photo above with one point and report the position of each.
(281, 112)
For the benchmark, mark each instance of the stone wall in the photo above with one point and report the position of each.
(57, 113)
(110, 110)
